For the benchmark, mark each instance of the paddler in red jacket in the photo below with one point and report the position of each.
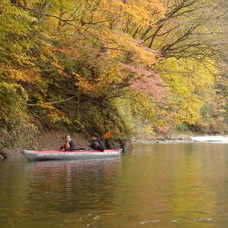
(69, 144)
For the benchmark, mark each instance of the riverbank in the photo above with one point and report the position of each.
(51, 140)
(182, 139)
(162, 138)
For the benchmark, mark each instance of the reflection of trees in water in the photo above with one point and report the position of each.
(12, 194)
(174, 180)
(71, 185)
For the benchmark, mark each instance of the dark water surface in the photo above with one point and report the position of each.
(160, 185)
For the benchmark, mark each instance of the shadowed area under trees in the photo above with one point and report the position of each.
(149, 67)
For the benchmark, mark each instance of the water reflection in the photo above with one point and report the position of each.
(83, 184)
(162, 185)
(178, 183)
(60, 192)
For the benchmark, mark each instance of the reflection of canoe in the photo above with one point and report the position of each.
(68, 155)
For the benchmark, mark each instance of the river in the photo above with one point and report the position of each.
(158, 185)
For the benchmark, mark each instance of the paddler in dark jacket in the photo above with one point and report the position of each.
(69, 145)
(96, 143)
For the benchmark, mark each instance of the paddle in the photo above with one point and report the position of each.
(108, 134)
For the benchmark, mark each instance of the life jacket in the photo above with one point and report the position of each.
(66, 146)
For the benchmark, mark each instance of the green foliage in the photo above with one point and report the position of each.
(182, 127)
(15, 125)
(14, 28)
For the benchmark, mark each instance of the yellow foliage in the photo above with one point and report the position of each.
(25, 75)
(45, 105)
(57, 115)
(139, 13)
(118, 43)
(190, 83)
(77, 47)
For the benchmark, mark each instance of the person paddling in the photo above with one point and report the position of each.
(96, 143)
(69, 145)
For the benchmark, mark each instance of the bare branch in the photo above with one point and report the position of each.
(54, 102)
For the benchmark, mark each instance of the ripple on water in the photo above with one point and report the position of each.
(149, 221)
(203, 219)
(196, 220)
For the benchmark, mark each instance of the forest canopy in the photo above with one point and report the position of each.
(96, 65)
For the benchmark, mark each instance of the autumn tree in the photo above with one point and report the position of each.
(156, 63)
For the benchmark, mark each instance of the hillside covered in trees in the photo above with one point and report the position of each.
(123, 65)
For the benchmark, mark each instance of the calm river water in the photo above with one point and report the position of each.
(159, 185)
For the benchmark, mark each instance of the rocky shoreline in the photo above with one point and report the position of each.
(143, 141)
(182, 139)
(53, 140)
(162, 139)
